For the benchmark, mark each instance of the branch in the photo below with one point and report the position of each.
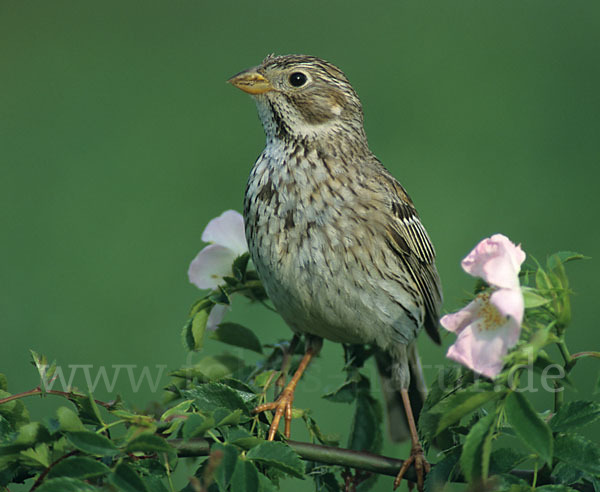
(360, 460)
(66, 394)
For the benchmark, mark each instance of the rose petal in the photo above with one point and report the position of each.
(208, 268)
(216, 316)
(458, 321)
(481, 349)
(509, 303)
(227, 230)
(496, 260)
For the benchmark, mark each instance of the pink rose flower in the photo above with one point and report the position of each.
(491, 324)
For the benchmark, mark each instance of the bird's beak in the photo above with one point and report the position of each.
(251, 81)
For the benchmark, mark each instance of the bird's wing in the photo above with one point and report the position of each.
(407, 237)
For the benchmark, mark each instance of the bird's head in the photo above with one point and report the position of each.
(302, 97)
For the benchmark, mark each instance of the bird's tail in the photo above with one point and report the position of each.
(417, 392)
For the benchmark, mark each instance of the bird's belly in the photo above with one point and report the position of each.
(322, 287)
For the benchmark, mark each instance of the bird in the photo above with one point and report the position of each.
(335, 239)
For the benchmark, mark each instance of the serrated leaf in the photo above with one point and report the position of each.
(365, 432)
(231, 418)
(211, 396)
(528, 426)
(38, 456)
(148, 443)
(81, 467)
(450, 410)
(238, 336)
(565, 473)
(475, 456)
(532, 298)
(575, 414)
(245, 477)
(196, 425)
(277, 455)
(126, 479)
(65, 484)
(241, 437)
(578, 452)
(441, 473)
(504, 460)
(92, 443)
(228, 456)
(68, 420)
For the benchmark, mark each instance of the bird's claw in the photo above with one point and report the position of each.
(283, 408)
(422, 467)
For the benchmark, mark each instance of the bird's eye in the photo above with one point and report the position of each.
(298, 79)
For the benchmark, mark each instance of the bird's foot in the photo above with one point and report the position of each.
(283, 408)
(422, 466)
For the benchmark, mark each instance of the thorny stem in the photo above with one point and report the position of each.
(38, 391)
(42, 476)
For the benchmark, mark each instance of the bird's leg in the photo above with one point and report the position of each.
(283, 404)
(417, 457)
(285, 365)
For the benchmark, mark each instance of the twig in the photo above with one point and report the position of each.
(359, 460)
(66, 394)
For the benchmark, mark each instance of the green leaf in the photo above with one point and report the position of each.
(30, 434)
(92, 443)
(346, 393)
(3, 382)
(441, 473)
(564, 473)
(148, 443)
(532, 298)
(230, 418)
(475, 457)
(216, 367)
(450, 410)
(575, 414)
(228, 456)
(68, 420)
(504, 460)
(563, 257)
(365, 433)
(245, 477)
(237, 335)
(81, 467)
(196, 425)
(65, 484)
(240, 265)
(177, 410)
(578, 452)
(126, 479)
(211, 396)
(38, 456)
(528, 426)
(278, 455)
(198, 327)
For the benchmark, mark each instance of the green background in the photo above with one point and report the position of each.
(119, 141)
